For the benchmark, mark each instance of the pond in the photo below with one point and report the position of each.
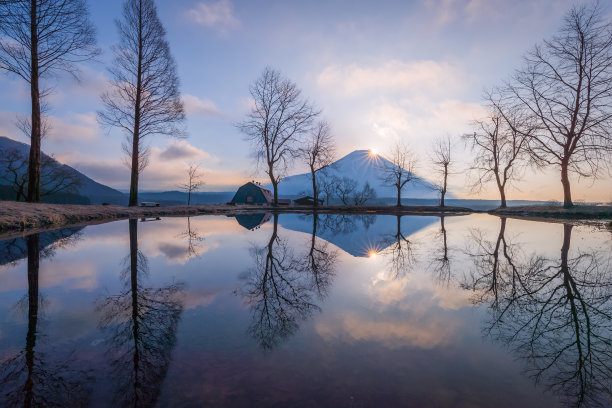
(298, 310)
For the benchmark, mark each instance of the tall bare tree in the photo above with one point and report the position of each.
(399, 170)
(499, 143)
(566, 85)
(442, 160)
(39, 39)
(279, 117)
(318, 152)
(195, 180)
(144, 97)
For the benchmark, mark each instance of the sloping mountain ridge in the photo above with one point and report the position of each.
(363, 167)
(96, 192)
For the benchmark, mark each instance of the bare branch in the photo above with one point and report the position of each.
(279, 118)
(399, 169)
(565, 86)
(144, 97)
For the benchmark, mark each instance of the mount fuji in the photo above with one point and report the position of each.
(363, 167)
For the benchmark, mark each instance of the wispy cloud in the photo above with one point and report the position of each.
(393, 75)
(69, 128)
(167, 167)
(218, 15)
(181, 150)
(197, 106)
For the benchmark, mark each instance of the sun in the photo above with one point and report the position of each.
(373, 152)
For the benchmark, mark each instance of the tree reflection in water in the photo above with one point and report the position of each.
(400, 252)
(346, 223)
(194, 240)
(555, 314)
(34, 378)
(15, 249)
(281, 287)
(141, 326)
(441, 256)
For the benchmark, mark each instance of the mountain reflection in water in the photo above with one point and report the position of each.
(308, 310)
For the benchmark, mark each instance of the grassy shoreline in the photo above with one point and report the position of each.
(17, 218)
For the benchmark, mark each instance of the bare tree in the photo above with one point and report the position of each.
(139, 326)
(39, 39)
(442, 160)
(399, 170)
(37, 375)
(328, 185)
(366, 194)
(499, 147)
(400, 251)
(194, 240)
(320, 261)
(553, 314)
(318, 153)
(144, 97)
(55, 177)
(195, 180)
(440, 258)
(278, 292)
(278, 118)
(345, 188)
(566, 86)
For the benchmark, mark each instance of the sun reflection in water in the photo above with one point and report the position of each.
(372, 250)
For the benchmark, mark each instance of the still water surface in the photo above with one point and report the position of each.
(301, 311)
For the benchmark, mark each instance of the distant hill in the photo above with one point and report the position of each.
(96, 193)
(179, 197)
(362, 167)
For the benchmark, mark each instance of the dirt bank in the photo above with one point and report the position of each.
(579, 212)
(20, 217)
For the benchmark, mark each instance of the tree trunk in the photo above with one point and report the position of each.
(133, 225)
(500, 187)
(444, 239)
(275, 188)
(567, 194)
(189, 197)
(136, 135)
(502, 195)
(399, 197)
(134, 173)
(34, 163)
(33, 243)
(315, 193)
(443, 192)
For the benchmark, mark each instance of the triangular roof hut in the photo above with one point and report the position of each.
(252, 193)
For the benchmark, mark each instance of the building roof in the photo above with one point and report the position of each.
(251, 188)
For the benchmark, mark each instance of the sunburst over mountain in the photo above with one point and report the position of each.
(363, 166)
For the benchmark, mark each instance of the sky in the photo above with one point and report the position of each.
(379, 71)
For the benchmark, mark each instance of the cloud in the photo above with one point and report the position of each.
(108, 172)
(390, 76)
(75, 126)
(419, 118)
(444, 12)
(425, 332)
(197, 106)
(182, 150)
(167, 167)
(71, 127)
(218, 15)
